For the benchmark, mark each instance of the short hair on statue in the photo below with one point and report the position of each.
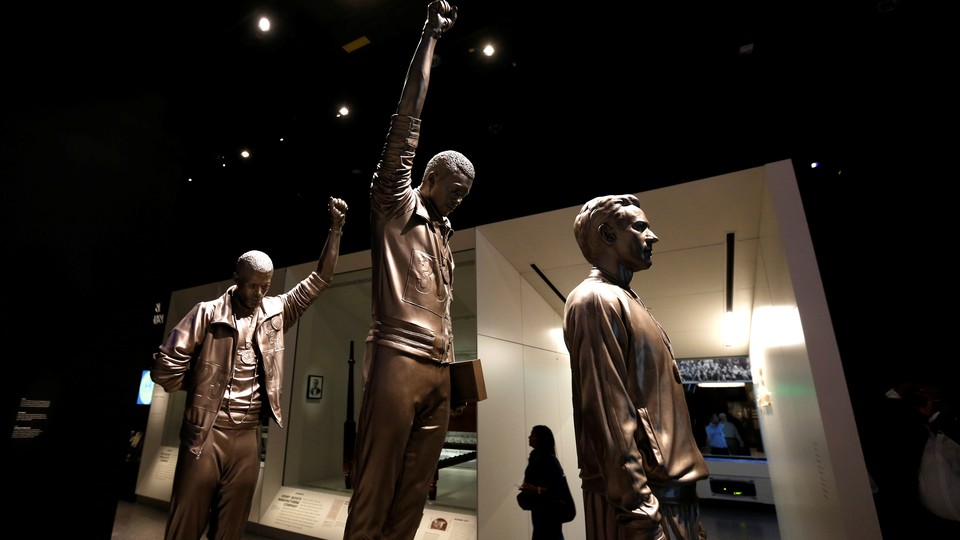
(451, 160)
(256, 261)
(595, 212)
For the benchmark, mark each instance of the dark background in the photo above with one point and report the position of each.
(121, 181)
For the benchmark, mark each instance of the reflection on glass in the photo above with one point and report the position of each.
(721, 389)
(318, 448)
(326, 336)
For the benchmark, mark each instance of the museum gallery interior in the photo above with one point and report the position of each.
(783, 153)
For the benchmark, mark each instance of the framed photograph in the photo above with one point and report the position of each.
(314, 386)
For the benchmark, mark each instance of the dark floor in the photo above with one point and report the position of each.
(736, 520)
(142, 521)
(723, 521)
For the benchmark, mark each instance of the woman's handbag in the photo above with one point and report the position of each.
(566, 508)
(562, 503)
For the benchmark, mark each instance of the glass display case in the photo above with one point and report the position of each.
(330, 344)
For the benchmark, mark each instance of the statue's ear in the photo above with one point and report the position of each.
(606, 233)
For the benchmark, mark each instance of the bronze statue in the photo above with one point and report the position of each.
(227, 354)
(639, 460)
(405, 407)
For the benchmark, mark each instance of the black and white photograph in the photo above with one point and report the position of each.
(727, 369)
(314, 386)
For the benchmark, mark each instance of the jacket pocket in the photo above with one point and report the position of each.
(651, 432)
(189, 433)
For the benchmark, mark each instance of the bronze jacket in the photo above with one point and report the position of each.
(630, 415)
(411, 257)
(199, 353)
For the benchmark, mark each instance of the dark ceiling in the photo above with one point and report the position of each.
(130, 100)
(123, 122)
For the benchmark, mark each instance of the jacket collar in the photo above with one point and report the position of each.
(224, 311)
(422, 209)
(608, 277)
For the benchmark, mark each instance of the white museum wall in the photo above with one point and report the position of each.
(685, 288)
(501, 448)
(686, 285)
(819, 478)
(527, 374)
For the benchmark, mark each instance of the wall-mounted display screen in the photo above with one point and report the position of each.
(145, 393)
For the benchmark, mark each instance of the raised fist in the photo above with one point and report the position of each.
(440, 16)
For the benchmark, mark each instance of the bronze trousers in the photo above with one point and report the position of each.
(216, 489)
(402, 424)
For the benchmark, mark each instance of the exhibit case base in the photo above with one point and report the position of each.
(738, 480)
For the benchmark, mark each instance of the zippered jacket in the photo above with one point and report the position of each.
(199, 353)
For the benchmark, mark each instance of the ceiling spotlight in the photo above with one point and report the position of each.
(488, 50)
(343, 111)
(264, 24)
